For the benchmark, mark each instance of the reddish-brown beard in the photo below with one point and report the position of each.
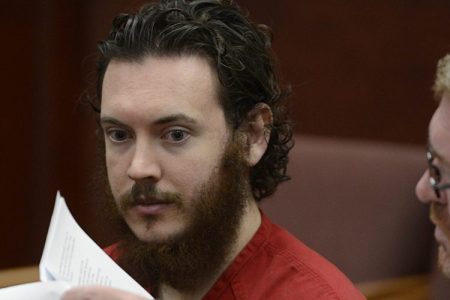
(186, 261)
(145, 192)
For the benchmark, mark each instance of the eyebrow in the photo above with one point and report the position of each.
(175, 118)
(110, 120)
(160, 121)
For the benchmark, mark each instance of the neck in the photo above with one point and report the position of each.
(251, 220)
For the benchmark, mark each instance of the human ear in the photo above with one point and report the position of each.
(256, 128)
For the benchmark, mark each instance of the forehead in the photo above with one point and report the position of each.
(439, 130)
(160, 85)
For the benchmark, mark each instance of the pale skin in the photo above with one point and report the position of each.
(439, 139)
(163, 122)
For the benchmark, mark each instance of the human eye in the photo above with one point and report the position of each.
(117, 135)
(176, 135)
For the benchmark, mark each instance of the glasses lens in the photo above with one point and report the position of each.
(435, 174)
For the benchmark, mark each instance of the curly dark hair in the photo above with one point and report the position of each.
(238, 49)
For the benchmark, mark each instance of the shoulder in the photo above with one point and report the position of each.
(285, 268)
(112, 251)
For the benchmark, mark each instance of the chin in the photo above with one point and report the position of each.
(444, 261)
(155, 232)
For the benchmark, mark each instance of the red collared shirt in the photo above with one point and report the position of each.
(275, 265)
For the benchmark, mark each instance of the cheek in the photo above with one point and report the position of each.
(192, 175)
(117, 174)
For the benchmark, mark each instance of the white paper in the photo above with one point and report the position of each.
(72, 258)
(36, 291)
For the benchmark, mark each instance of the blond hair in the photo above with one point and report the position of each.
(442, 82)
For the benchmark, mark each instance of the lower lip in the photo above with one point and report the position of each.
(150, 210)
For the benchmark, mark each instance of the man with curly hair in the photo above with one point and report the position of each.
(434, 186)
(195, 135)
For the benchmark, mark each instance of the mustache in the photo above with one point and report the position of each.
(148, 194)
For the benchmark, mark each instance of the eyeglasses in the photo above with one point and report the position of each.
(435, 176)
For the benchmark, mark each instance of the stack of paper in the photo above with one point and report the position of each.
(71, 258)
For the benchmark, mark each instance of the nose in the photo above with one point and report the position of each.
(425, 192)
(144, 163)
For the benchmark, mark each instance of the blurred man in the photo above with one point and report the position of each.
(195, 135)
(434, 186)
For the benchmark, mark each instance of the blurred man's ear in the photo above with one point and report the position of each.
(256, 129)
